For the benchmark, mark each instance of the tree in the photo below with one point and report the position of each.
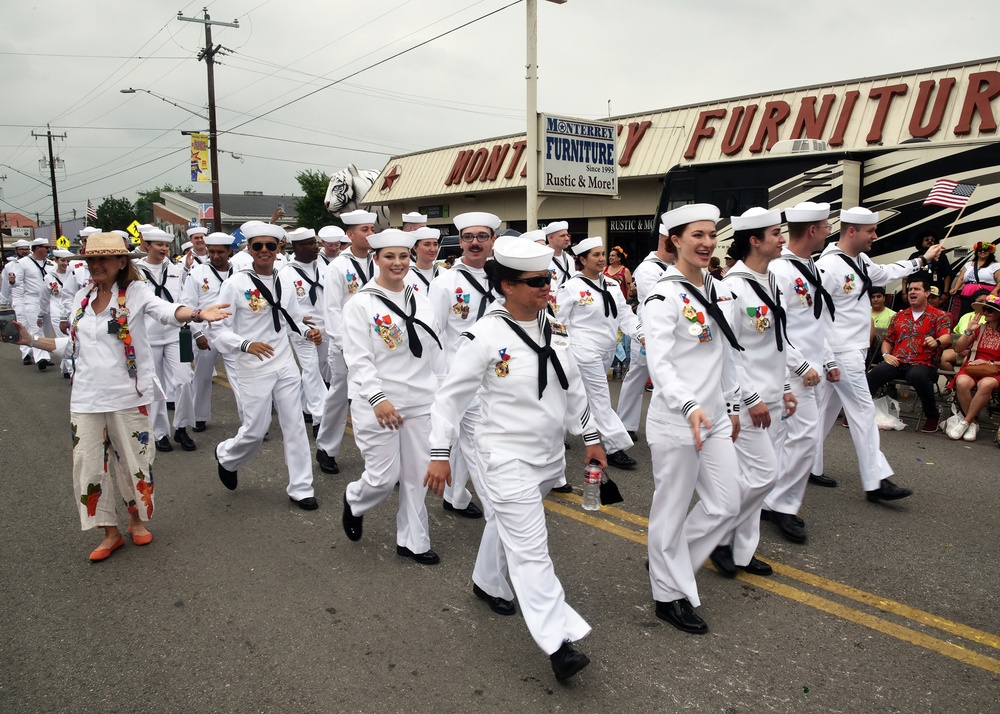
(310, 209)
(144, 203)
(115, 213)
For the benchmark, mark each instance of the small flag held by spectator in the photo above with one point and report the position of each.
(950, 194)
(91, 211)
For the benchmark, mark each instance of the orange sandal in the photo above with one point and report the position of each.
(141, 539)
(105, 553)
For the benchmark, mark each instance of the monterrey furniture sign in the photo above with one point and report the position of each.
(578, 157)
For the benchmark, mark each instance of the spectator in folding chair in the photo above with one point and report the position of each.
(979, 377)
(951, 357)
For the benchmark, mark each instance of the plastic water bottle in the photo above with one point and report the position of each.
(592, 486)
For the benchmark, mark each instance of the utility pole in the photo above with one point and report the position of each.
(52, 176)
(208, 54)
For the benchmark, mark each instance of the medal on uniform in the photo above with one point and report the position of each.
(689, 312)
(389, 332)
(697, 328)
(586, 298)
(758, 317)
(204, 285)
(253, 299)
(694, 330)
(502, 368)
(553, 305)
(352, 282)
(849, 283)
(55, 288)
(559, 329)
(299, 290)
(461, 306)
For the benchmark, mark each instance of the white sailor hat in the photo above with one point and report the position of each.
(358, 218)
(859, 216)
(262, 230)
(38, 241)
(392, 238)
(22, 243)
(219, 239)
(524, 255)
(426, 233)
(754, 218)
(122, 234)
(187, 246)
(689, 214)
(145, 228)
(155, 235)
(11, 258)
(196, 230)
(414, 218)
(556, 226)
(60, 253)
(534, 236)
(588, 244)
(664, 231)
(476, 218)
(807, 212)
(332, 234)
(301, 234)
(89, 231)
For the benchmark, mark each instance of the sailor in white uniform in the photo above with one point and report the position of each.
(333, 240)
(520, 364)
(558, 238)
(808, 310)
(425, 251)
(848, 275)
(29, 295)
(349, 272)
(165, 280)
(593, 309)
(200, 290)
(59, 301)
(257, 333)
(395, 363)
(303, 278)
(413, 221)
(690, 430)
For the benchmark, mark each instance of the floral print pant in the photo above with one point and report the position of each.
(117, 443)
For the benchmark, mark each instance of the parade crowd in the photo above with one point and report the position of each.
(473, 377)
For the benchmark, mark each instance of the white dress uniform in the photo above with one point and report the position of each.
(561, 269)
(252, 299)
(242, 260)
(520, 452)
(420, 280)
(5, 285)
(305, 282)
(200, 290)
(59, 302)
(593, 311)
(645, 276)
(848, 279)
(29, 298)
(390, 357)
(691, 362)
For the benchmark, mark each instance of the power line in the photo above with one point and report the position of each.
(124, 57)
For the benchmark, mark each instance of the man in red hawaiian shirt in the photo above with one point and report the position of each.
(911, 347)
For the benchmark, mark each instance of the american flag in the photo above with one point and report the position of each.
(950, 194)
(91, 211)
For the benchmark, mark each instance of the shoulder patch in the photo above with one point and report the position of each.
(468, 335)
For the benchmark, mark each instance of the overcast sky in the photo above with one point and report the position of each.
(64, 62)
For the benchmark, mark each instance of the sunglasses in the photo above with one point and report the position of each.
(264, 246)
(535, 281)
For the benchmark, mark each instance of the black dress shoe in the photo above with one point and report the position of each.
(227, 477)
(822, 480)
(163, 445)
(199, 426)
(306, 504)
(182, 438)
(327, 464)
(566, 444)
(680, 614)
(308, 417)
(497, 604)
(315, 429)
(27, 360)
(888, 491)
(170, 406)
(757, 567)
(427, 558)
(565, 488)
(567, 661)
(791, 526)
(634, 436)
(43, 364)
(67, 375)
(470, 511)
(621, 460)
(722, 559)
(353, 525)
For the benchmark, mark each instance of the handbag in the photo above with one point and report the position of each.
(979, 371)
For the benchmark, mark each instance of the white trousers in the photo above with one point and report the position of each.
(109, 448)
(313, 387)
(393, 456)
(852, 393)
(679, 545)
(204, 372)
(334, 420)
(594, 368)
(514, 489)
(29, 318)
(758, 464)
(796, 442)
(463, 460)
(630, 396)
(66, 365)
(257, 391)
(170, 370)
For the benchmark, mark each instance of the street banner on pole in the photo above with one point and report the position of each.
(201, 165)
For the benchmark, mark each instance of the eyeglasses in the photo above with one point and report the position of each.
(264, 246)
(479, 237)
(535, 281)
(982, 250)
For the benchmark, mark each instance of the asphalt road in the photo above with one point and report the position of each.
(243, 603)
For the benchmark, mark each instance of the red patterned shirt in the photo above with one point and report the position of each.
(907, 335)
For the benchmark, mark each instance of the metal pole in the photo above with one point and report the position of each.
(531, 109)
(52, 179)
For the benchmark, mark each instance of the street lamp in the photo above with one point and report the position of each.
(531, 109)
(130, 90)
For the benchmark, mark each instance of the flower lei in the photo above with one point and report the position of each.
(120, 315)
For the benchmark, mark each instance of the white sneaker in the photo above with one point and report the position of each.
(956, 430)
(972, 432)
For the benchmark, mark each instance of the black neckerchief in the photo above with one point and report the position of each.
(216, 273)
(159, 289)
(314, 285)
(56, 276)
(198, 259)
(710, 304)
(410, 319)
(565, 270)
(654, 259)
(357, 266)
(822, 295)
(866, 282)
(275, 302)
(545, 353)
(41, 268)
(610, 308)
(424, 280)
(487, 296)
(773, 304)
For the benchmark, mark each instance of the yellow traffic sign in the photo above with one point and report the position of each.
(63, 242)
(133, 230)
